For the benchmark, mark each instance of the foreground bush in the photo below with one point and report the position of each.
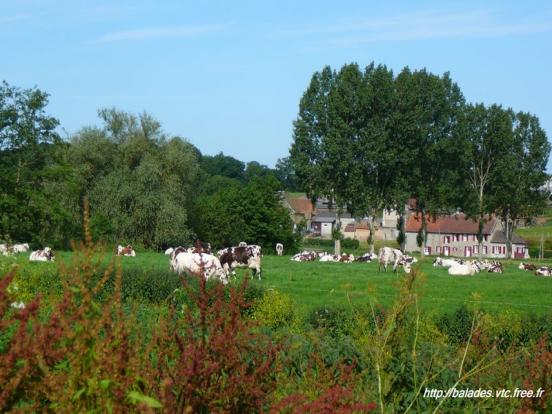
(89, 353)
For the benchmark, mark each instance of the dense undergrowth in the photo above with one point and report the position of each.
(94, 337)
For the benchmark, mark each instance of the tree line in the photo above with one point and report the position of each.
(370, 139)
(144, 187)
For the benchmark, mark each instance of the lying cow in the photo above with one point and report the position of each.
(527, 266)
(279, 249)
(45, 255)
(242, 256)
(125, 251)
(464, 269)
(439, 261)
(6, 249)
(329, 258)
(366, 257)
(198, 264)
(544, 271)
(388, 255)
(304, 256)
(21, 247)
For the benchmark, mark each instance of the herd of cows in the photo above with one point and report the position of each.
(44, 255)
(200, 260)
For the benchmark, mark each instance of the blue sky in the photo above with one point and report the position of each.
(228, 75)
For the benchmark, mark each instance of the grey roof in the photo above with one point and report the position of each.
(324, 218)
(500, 237)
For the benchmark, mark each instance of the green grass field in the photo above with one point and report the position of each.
(315, 284)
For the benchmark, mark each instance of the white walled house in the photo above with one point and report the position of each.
(456, 235)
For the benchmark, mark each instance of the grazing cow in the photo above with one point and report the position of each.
(544, 271)
(125, 251)
(242, 244)
(527, 266)
(45, 255)
(389, 255)
(279, 249)
(21, 248)
(169, 251)
(242, 256)
(198, 264)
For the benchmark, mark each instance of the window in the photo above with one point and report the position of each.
(446, 240)
(486, 237)
(475, 237)
(464, 237)
(485, 250)
(438, 249)
(475, 249)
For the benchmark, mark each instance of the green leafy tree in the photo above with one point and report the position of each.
(139, 181)
(223, 165)
(427, 118)
(37, 186)
(520, 173)
(252, 213)
(489, 140)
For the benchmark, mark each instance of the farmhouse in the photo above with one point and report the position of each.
(325, 217)
(456, 235)
(300, 209)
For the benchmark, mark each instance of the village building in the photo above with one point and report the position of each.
(456, 235)
(300, 210)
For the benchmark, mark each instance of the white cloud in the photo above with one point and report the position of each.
(160, 32)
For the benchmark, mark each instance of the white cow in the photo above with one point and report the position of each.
(279, 249)
(544, 271)
(198, 264)
(389, 255)
(45, 255)
(125, 251)
(468, 269)
(21, 248)
(439, 261)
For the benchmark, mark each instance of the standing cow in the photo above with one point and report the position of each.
(197, 264)
(279, 249)
(389, 255)
(242, 256)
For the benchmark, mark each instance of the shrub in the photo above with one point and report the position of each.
(275, 310)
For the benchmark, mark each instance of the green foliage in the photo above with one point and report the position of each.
(39, 198)
(252, 213)
(138, 181)
(351, 244)
(275, 310)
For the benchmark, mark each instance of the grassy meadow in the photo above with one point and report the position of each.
(313, 285)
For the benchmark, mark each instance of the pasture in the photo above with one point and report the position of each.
(313, 284)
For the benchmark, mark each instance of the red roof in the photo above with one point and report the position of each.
(301, 205)
(456, 223)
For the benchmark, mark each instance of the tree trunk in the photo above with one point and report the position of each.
(424, 235)
(337, 234)
(508, 236)
(480, 237)
(371, 234)
(401, 230)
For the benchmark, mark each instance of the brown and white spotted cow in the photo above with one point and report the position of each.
(125, 251)
(241, 256)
